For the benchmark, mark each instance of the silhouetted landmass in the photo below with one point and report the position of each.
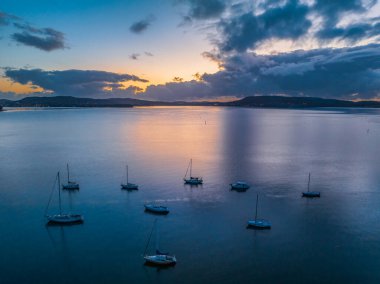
(254, 101)
(68, 101)
(64, 101)
(293, 102)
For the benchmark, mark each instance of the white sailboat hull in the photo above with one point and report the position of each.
(259, 224)
(65, 219)
(156, 209)
(239, 186)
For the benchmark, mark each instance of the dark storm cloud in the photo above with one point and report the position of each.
(72, 82)
(351, 33)
(177, 91)
(322, 72)
(330, 73)
(247, 30)
(140, 26)
(244, 26)
(334, 11)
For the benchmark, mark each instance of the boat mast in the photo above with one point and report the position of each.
(191, 166)
(187, 170)
(127, 174)
(308, 184)
(257, 201)
(68, 173)
(59, 193)
(150, 235)
(157, 238)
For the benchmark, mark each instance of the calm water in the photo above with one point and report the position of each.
(332, 239)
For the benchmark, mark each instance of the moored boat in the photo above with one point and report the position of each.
(128, 185)
(239, 186)
(310, 194)
(65, 219)
(62, 218)
(157, 209)
(259, 223)
(70, 185)
(159, 258)
(192, 180)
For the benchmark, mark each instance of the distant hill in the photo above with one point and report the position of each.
(292, 102)
(68, 101)
(254, 101)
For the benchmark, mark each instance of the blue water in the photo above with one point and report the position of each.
(334, 239)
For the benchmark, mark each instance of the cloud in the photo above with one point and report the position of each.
(332, 12)
(46, 39)
(134, 56)
(81, 83)
(177, 91)
(177, 79)
(5, 18)
(140, 26)
(201, 10)
(245, 31)
(337, 73)
(328, 73)
(325, 72)
(352, 33)
(244, 26)
(198, 76)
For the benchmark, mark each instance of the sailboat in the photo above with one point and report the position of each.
(71, 185)
(156, 209)
(63, 218)
(160, 258)
(191, 180)
(309, 193)
(128, 185)
(239, 186)
(259, 223)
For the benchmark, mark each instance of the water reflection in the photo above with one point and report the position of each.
(57, 237)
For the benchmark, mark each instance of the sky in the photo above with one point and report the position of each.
(190, 50)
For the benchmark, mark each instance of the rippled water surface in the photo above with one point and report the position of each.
(332, 239)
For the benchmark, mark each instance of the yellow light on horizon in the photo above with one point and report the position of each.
(8, 86)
